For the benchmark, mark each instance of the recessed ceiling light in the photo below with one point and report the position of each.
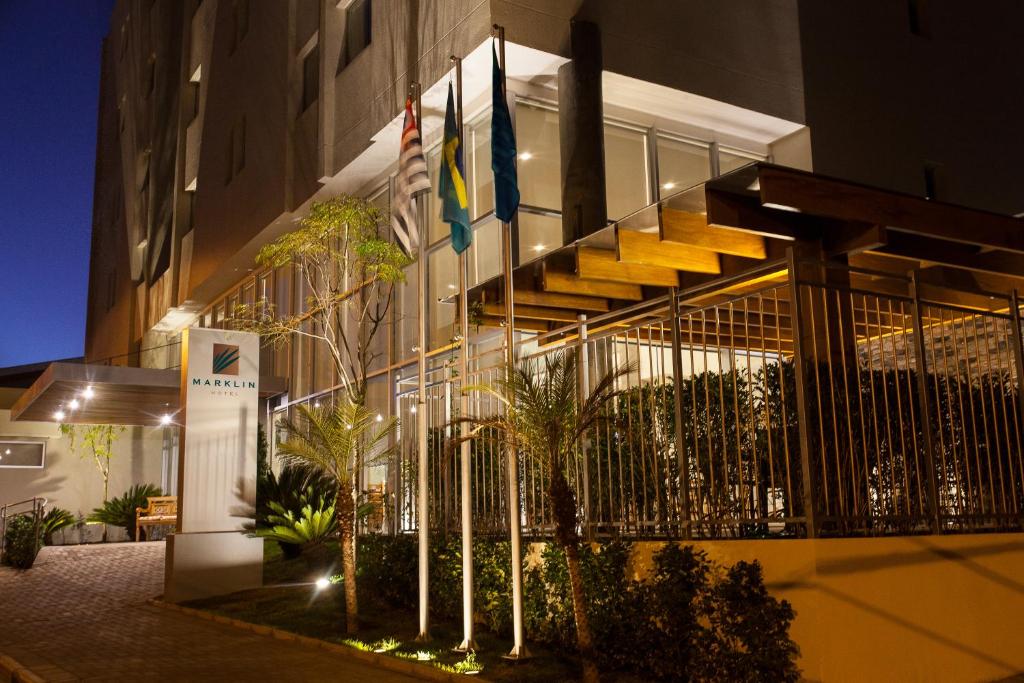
(165, 419)
(88, 393)
(525, 156)
(668, 186)
(538, 247)
(59, 415)
(74, 404)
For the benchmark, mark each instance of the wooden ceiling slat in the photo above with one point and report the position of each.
(646, 249)
(561, 315)
(602, 264)
(568, 283)
(576, 302)
(821, 196)
(692, 230)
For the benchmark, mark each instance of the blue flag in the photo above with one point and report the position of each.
(503, 151)
(452, 185)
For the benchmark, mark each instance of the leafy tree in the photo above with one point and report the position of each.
(96, 441)
(336, 440)
(349, 273)
(545, 419)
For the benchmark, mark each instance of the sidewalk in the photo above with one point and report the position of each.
(80, 614)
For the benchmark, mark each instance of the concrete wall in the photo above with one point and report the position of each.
(883, 101)
(73, 482)
(919, 608)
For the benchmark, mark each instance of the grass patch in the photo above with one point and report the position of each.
(289, 601)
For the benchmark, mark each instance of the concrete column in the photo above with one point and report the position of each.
(581, 134)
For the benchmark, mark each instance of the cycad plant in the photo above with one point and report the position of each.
(546, 420)
(121, 511)
(339, 441)
(312, 525)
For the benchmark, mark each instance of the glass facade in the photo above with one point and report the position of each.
(642, 165)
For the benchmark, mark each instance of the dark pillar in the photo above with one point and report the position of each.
(581, 133)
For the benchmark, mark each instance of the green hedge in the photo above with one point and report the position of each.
(691, 619)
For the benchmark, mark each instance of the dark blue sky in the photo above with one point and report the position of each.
(49, 87)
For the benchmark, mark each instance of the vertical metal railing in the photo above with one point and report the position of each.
(32, 507)
(831, 404)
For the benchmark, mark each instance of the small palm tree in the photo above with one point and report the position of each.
(546, 420)
(339, 441)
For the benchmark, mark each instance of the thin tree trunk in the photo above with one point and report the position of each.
(347, 519)
(563, 504)
(584, 638)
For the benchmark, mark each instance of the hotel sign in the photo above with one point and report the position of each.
(220, 402)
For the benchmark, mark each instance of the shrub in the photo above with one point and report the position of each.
(22, 540)
(291, 490)
(121, 511)
(55, 520)
(313, 525)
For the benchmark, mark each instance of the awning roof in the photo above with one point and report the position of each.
(120, 395)
(711, 238)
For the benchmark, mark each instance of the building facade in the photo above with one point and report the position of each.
(222, 121)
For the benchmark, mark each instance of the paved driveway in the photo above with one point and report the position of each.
(80, 614)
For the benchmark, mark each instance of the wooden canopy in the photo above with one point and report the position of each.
(105, 394)
(731, 235)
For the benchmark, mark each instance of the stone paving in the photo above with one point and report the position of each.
(80, 614)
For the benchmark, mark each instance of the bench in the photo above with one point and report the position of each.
(159, 511)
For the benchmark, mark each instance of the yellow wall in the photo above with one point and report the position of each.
(918, 608)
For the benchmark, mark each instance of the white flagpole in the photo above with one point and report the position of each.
(422, 510)
(512, 459)
(468, 642)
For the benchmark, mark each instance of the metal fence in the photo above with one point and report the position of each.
(818, 406)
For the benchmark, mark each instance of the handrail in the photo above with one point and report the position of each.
(38, 506)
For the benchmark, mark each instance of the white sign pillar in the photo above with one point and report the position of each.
(209, 553)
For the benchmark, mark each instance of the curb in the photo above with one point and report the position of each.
(408, 667)
(12, 670)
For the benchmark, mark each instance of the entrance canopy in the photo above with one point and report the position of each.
(75, 393)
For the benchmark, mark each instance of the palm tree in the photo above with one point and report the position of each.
(339, 441)
(545, 420)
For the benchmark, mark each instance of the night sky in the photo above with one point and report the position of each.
(49, 86)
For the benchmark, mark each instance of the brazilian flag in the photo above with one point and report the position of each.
(452, 186)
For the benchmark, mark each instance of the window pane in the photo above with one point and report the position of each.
(540, 173)
(538, 234)
(407, 314)
(22, 454)
(437, 228)
(681, 165)
(625, 158)
(481, 176)
(443, 276)
(730, 161)
(485, 252)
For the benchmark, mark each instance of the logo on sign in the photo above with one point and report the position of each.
(225, 359)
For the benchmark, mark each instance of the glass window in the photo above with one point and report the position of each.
(481, 178)
(730, 161)
(540, 170)
(538, 234)
(443, 282)
(681, 165)
(407, 314)
(436, 228)
(310, 78)
(18, 454)
(625, 159)
(485, 252)
(357, 31)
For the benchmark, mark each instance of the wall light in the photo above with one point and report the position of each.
(538, 248)
(322, 583)
(380, 418)
(525, 156)
(668, 186)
